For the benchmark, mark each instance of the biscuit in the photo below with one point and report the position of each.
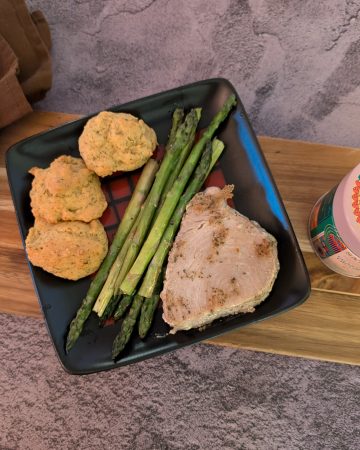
(112, 142)
(70, 250)
(67, 190)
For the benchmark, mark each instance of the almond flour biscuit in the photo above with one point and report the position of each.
(116, 141)
(67, 190)
(70, 250)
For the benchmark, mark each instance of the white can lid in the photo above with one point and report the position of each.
(346, 210)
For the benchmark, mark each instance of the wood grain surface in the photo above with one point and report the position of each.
(325, 327)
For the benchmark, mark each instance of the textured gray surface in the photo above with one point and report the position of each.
(296, 67)
(294, 64)
(202, 397)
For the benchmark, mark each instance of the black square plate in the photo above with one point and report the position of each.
(255, 195)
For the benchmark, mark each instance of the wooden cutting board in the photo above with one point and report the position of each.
(326, 326)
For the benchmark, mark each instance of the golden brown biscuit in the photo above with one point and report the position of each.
(116, 141)
(69, 250)
(67, 190)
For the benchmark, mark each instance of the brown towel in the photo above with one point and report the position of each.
(25, 65)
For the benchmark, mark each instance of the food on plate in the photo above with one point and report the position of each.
(127, 325)
(147, 313)
(221, 263)
(126, 225)
(145, 307)
(122, 285)
(69, 250)
(130, 232)
(116, 141)
(212, 153)
(66, 190)
(150, 215)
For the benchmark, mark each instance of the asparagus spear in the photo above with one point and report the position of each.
(125, 302)
(147, 314)
(108, 290)
(109, 310)
(127, 327)
(177, 118)
(148, 250)
(183, 134)
(202, 171)
(175, 173)
(149, 307)
(132, 210)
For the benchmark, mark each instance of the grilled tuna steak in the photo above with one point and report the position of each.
(221, 263)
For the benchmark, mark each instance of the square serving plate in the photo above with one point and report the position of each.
(255, 195)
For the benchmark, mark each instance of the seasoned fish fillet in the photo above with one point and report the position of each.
(221, 263)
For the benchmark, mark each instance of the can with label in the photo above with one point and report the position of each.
(334, 226)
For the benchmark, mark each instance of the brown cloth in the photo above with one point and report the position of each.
(25, 64)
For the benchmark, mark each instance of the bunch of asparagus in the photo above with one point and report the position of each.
(130, 277)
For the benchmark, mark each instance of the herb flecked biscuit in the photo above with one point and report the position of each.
(66, 190)
(69, 250)
(116, 141)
